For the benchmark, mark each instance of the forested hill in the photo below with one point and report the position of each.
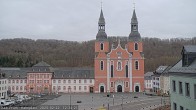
(58, 53)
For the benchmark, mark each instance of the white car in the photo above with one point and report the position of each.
(4, 103)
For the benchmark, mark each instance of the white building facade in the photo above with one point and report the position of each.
(72, 85)
(3, 88)
(17, 85)
(148, 82)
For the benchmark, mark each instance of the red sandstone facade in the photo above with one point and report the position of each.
(119, 69)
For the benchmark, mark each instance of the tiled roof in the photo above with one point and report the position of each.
(41, 64)
(160, 69)
(178, 68)
(190, 48)
(148, 76)
(15, 73)
(74, 73)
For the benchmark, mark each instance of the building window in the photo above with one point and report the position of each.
(13, 88)
(119, 65)
(64, 87)
(126, 84)
(74, 81)
(112, 71)
(195, 91)
(17, 81)
(112, 84)
(74, 87)
(136, 46)
(187, 89)
(119, 54)
(101, 65)
(79, 81)
(180, 88)
(126, 71)
(85, 81)
(84, 87)
(20, 87)
(136, 65)
(64, 81)
(54, 81)
(181, 108)
(101, 46)
(69, 81)
(25, 81)
(174, 86)
(21, 81)
(59, 88)
(9, 81)
(16, 87)
(79, 87)
(175, 106)
(59, 81)
(90, 80)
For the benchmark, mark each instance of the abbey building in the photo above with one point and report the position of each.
(116, 69)
(119, 69)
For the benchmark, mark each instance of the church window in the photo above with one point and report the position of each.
(119, 65)
(102, 46)
(101, 65)
(126, 84)
(136, 65)
(127, 74)
(112, 69)
(119, 54)
(112, 84)
(136, 46)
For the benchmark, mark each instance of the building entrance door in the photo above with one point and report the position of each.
(91, 89)
(137, 89)
(119, 88)
(101, 89)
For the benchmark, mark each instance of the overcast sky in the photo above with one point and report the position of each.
(77, 20)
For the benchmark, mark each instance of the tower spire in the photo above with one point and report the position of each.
(134, 35)
(101, 35)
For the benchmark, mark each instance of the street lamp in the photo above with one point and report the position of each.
(69, 89)
(122, 102)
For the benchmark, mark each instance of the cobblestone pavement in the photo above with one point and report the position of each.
(91, 101)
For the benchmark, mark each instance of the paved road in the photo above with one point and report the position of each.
(95, 101)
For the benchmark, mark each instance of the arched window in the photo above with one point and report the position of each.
(127, 74)
(119, 65)
(136, 65)
(136, 46)
(112, 71)
(101, 65)
(101, 46)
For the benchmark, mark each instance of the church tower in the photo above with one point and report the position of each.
(135, 47)
(101, 49)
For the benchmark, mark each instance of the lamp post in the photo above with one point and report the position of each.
(113, 97)
(69, 89)
(122, 102)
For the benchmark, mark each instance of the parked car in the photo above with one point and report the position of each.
(4, 103)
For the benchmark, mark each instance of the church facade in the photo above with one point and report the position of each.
(119, 69)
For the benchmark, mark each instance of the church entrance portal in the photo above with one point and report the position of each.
(137, 89)
(119, 88)
(101, 88)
